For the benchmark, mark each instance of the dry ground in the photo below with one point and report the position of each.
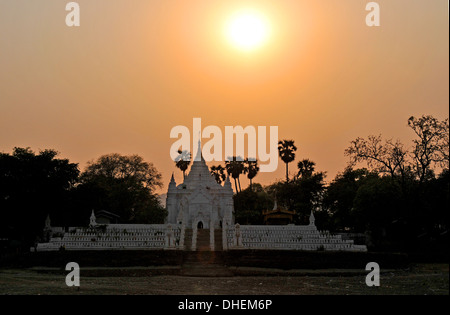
(419, 279)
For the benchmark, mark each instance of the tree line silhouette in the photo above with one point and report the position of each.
(397, 195)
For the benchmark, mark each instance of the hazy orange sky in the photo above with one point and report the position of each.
(135, 69)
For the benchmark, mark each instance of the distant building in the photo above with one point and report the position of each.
(278, 216)
(106, 217)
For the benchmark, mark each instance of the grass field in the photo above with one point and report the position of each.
(419, 279)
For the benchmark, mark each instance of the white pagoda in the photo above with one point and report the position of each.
(200, 201)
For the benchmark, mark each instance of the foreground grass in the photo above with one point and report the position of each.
(420, 279)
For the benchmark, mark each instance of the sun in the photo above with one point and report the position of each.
(247, 30)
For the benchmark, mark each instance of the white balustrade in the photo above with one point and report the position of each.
(117, 236)
(286, 237)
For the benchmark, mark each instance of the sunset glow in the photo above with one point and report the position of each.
(247, 30)
(130, 73)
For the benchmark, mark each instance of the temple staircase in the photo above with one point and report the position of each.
(203, 243)
(203, 262)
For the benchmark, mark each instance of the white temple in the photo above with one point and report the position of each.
(200, 201)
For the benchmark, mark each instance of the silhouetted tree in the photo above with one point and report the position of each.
(301, 195)
(286, 151)
(339, 197)
(183, 160)
(431, 147)
(219, 173)
(235, 167)
(306, 168)
(31, 187)
(125, 186)
(381, 157)
(429, 150)
(250, 204)
(251, 169)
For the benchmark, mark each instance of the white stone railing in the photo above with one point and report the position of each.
(117, 236)
(287, 237)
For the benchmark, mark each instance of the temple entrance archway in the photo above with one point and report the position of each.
(200, 225)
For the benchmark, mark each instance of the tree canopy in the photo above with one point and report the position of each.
(33, 185)
(123, 185)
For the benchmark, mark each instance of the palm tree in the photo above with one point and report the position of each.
(219, 173)
(286, 151)
(251, 169)
(183, 160)
(306, 168)
(235, 167)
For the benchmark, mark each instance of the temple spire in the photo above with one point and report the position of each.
(199, 155)
(312, 220)
(93, 219)
(172, 184)
(227, 182)
(47, 222)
